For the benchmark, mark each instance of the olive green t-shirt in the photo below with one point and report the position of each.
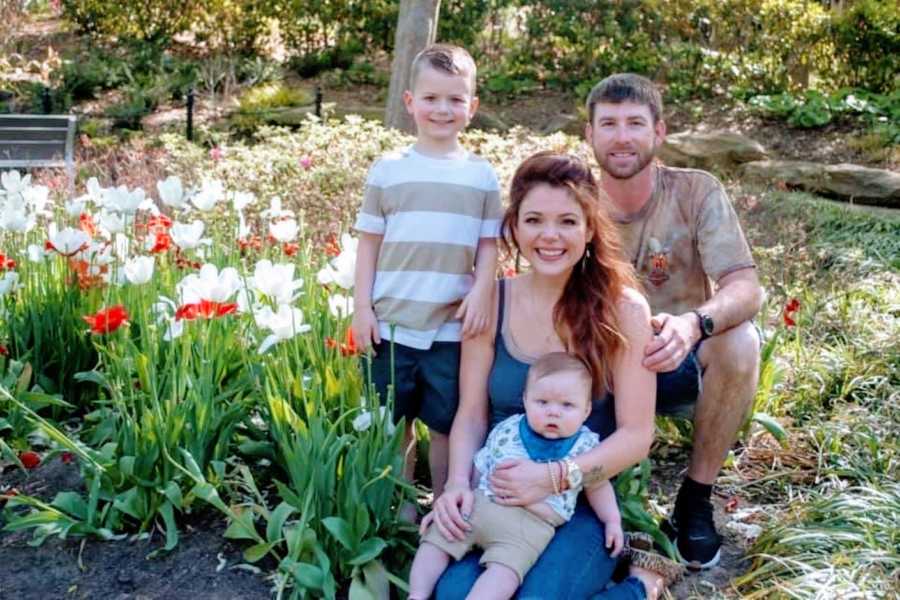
(684, 239)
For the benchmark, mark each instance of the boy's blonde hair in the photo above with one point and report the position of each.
(559, 362)
(446, 58)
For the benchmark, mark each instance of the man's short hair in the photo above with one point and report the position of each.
(626, 87)
(559, 362)
(446, 58)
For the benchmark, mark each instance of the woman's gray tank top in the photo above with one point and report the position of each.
(506, 382)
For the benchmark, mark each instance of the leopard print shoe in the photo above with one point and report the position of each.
(639, 550)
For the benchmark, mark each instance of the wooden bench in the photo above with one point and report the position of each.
(28, 141)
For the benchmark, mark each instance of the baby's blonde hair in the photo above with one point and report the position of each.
(560, 362)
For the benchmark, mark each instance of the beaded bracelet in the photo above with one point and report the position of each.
(553, 481)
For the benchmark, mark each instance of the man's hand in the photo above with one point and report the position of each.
(520, 482)
(451, 514)
(615, 537)
(474, 311)
(365, 327)
(675, 336)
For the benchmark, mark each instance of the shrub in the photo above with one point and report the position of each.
(867, 39)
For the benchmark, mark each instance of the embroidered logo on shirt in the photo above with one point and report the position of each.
(659, 262)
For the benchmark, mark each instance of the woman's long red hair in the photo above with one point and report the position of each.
(585, 315)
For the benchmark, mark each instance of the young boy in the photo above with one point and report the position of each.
(557, 402)
(427, 253)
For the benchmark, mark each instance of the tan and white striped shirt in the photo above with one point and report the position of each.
(432, 213)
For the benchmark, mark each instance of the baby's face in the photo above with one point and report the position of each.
(557, 405)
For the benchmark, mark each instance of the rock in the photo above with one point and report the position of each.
(488, 121)
(845, 181)
(566, 123)
(714, 150)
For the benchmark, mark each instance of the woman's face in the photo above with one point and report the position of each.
(551, 230)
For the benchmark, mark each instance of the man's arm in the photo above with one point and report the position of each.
(738, 297)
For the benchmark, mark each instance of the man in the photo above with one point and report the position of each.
(683, 237)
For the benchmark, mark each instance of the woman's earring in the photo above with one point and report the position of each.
(585, 258)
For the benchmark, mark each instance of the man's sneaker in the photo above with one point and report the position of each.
(694, 534)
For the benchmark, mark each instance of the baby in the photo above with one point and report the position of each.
(557, 403)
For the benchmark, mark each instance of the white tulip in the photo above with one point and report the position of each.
(211, 192)
(340, 306)
(111, 223)
(122, 200)
(68, 241)
(209, 284)
(36, 253)
(14, 183)
(284, 231)
(241, 200)
(275, 281)
(284, 324)
(171, 192)
(8, 281)
(36, 197)
(139, 270)
(187, 236)
(275, 211)
(75, 207)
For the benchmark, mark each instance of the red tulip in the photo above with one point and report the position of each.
(4, 351)
(787, 314)
(162, 241)
(107, 320)
(206, 309)
(30, 459)
(6, 263)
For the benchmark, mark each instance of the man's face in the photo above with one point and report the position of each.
(624, 138)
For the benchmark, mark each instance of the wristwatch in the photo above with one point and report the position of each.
(574, 476)
(706, 324)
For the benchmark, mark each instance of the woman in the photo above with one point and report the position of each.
(579, 296)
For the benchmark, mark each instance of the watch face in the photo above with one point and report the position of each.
(707, 324)
(575, 478)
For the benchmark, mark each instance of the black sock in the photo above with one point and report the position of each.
(692, 492)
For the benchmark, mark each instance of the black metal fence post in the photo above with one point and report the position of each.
(190, 115)
(46, 105)
(319, 101)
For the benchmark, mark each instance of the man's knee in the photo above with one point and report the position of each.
(734, 353)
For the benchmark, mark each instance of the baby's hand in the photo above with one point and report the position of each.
(474, 311)
(615, 537)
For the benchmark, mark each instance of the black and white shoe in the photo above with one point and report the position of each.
(693, 532)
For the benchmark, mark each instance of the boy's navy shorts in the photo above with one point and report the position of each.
(426, 382)
(677, 391)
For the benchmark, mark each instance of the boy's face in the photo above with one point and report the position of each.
(441, 104)
(624, 137)
(557, 405)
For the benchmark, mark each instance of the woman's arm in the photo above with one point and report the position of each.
(468, 433)
(524, 482)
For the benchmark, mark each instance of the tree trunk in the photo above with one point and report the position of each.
(416, 28)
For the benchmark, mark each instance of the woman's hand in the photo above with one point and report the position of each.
(520, 482)
(451, 513)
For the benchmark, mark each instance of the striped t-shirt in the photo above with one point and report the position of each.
(431, 212)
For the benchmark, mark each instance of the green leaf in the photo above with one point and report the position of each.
(772, 426)
(126, 465)
(241, 527)
(368, 551)
(168, 515)
(340, 530)
(257, 551)
(172, 492)
(276, 521)
(132, 502)
(206, 491)
(71, 503)
(305, 574)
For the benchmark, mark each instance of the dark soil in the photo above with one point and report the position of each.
(81, 569)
